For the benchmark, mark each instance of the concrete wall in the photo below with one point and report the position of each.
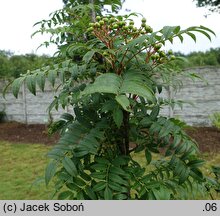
(205, 97)
(28, 108)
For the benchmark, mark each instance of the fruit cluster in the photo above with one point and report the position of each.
(159, 56)
(111, 27)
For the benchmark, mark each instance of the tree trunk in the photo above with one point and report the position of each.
(124, 131)
(93, 10)
(124, 141)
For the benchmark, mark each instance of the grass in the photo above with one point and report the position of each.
(21, 165)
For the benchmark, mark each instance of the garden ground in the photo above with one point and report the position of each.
(208, 138)
(23, 159)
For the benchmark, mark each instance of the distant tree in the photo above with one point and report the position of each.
(195, 59)
(212, 5)
(13, 65)
(216, 52)
(5, 67)
(6, 53)
(20, 64)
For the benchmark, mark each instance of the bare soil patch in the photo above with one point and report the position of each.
(20, 133)
(208, 138)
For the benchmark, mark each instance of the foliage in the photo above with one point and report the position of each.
(70, 23)
(26, 163)
(5, 67)
(13, 65)
(114, 4)
(215, 119)
(212, 5)
(111, 77)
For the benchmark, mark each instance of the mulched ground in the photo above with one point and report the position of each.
(20, 133)
(208, 138)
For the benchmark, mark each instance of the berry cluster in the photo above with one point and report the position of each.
(108, 28)
(111, 30)
(159, 56)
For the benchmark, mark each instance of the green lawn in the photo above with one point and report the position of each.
(22, 164)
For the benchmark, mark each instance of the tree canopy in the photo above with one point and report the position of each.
(212, 5)
(197, 59)
(12, 65)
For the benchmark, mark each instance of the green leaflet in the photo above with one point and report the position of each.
(31, 83)
(79, 182)
(99, 175)
(67, 117)
(50, 171)
(40, 79)
(16, 85)
(89, 144)
(120, 196)
(197, 174)
(64, 195)
(201, 29)
(124, 102)
(109, 106)
(100, 160)
(207, 29)
(108, 193)
(52, 75)
(118, 171)
(69, 166)
(184, 175)
(162, 193)
(176, 141)
(148, 156)
(118, 117)
(100, 167)
(105, 83)
(118, 179)
(166, 129)
(137, 88)
(146, 122)
(155, 112)
(117, 187)
(169, 31)
(192, 36)
(80, 195)
(88, 56)
(56, 154)
(180, 37)
(99, 186)
(195, 163)
(90, 193)
(121, 161)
